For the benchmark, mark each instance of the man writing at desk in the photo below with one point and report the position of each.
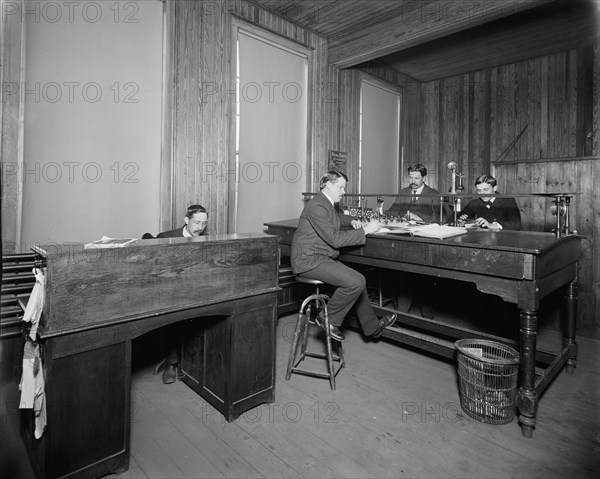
(419, 202)
(195, 221)
(491, 212)
(315, 248)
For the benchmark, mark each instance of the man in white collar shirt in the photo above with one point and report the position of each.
(195, 221)
(422, 205)
(315, 249)
(491, 212)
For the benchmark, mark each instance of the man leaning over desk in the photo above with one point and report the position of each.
(316, 247)
(491, 212)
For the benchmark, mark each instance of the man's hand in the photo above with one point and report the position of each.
(483, 223)
(356, 224)
(371, 227)
(414, 217)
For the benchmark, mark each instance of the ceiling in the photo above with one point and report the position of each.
(432, 39)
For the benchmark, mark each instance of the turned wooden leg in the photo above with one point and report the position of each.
(527, 400)
(570, 326)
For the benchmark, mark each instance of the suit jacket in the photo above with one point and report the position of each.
(178, 233)
(320, 235)
(503, 210)
(427, 208)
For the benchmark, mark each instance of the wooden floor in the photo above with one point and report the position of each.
(395, 413)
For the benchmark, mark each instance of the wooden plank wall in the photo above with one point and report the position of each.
(11, 138)
(201, 162)
(199, 112)
(349, 87)
(472, 119)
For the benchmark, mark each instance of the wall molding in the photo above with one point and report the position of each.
(545, 160)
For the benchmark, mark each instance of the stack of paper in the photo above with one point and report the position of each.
(432, 230)
(107, 242)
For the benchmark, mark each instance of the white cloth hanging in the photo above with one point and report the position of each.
(32, 386)
(35, 305)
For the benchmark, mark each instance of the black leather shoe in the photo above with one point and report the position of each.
(384, 323)
(334, 332)
(169, 374)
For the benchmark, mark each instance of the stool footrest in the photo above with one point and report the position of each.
(335, 357)
(308, 372)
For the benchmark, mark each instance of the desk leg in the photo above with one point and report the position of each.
(527, 400)
(571, 323)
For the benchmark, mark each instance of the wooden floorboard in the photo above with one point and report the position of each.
(395, 413)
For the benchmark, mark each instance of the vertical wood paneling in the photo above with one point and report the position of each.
(431, 131)
(349, 97)
(535, 107)
(412, 130)
(204, 102)
(595, 105)
(522, 148)
(592, 242)
(495, 121)
(170, 46)
(545, 100)
(11, 138)
(575, 176)
(326, 98)
(483, 113)
(471, 123)
(571, 105)
(552, 99)
(559, 104)
(510, 113)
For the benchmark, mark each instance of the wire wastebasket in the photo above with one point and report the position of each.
(488, 373)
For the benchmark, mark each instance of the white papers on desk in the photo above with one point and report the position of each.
(432, 230)
(106, 242)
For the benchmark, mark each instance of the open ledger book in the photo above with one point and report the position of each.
(432, 230)
(106, 242)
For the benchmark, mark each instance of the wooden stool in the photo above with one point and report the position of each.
(301, 331)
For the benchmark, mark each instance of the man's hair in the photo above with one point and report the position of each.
(489, 179)
(192, 210)
(331, 175)
(418, 167)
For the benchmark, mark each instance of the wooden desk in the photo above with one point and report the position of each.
(98, 301)
(521, 267)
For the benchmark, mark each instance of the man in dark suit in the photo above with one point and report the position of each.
(315, 248)
(195, 221)
(491, 212)
(419, 201)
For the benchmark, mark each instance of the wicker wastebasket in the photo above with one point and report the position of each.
(487, 375)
